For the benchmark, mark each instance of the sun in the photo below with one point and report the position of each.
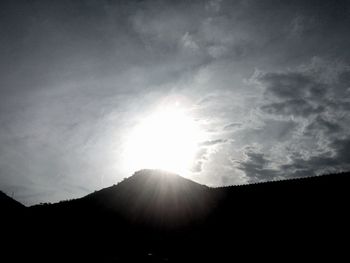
(166, 139)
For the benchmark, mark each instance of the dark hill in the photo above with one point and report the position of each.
(149, 197)
(154, 197)
(161, 217)
(9, 205)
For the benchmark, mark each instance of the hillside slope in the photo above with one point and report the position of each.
(9, 204)
(156, 216)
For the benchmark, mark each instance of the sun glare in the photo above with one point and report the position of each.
(167, 139)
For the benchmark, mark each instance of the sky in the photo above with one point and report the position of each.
(266, 82)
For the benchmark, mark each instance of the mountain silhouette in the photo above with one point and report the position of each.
(155, 197)
(9, 205)
(156, 216)
(151, 197)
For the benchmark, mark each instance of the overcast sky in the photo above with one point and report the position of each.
(268, 81)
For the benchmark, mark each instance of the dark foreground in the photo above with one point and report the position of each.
(157, 217)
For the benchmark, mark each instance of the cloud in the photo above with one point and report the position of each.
(310, 96)
(206, 148)
(73, 86)
(188, 42)
(309, 91)
(292, 107)
(213, 142)
(335, 160)
(255, 165)
(292, 85)
(258, 167)
(197, 166)
(320, 124)
(213, 5)
(301, 25)
(232, 126)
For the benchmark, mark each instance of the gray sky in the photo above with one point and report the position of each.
(267, 81)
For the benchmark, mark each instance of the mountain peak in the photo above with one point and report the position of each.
(158, 172)
(155, 174)
(157, 195)
(161, 178)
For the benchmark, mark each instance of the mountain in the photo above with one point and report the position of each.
(8, 205)
(155, 216)
(148, 197)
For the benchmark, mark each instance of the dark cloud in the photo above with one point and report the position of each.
(313, 97)
(310, 92)
(292, 107)
(335, 160)
(289, 85)
(320, 124)
(312, 87)
(255, 166)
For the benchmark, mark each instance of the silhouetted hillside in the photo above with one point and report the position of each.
(154, 197)
(8, 204)
(157, 216)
